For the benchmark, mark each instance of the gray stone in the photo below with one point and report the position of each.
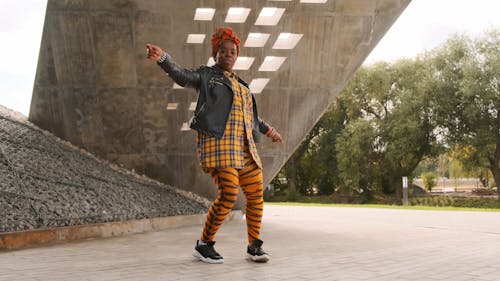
(49, 183)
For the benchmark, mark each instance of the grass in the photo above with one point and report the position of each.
(382, 206)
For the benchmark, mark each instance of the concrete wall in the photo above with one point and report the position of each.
(95, 88)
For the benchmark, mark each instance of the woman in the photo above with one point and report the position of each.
(228, 127)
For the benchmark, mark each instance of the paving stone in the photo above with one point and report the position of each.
(305, 243)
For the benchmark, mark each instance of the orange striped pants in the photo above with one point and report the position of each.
(227, 181)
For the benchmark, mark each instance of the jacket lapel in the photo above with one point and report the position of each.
(224, 79)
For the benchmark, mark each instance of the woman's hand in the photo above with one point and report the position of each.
(154, 52)
(275, 136)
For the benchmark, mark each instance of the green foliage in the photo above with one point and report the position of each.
(313, 166)
(392, 128)
(429, 164)
(442, 107)
(450, 201)
(429, 179)
(357, 158)
(431, 201)
(468, 99)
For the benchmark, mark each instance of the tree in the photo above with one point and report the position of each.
(358, 159)
(298, 177)
(324, 154)
(394, 129)
(391, 116)
(468, 78)
(312, 167)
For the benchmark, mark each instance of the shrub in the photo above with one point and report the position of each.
(429, 179)
(451, 201)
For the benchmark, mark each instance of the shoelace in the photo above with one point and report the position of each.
(257, 250)
(211, 251)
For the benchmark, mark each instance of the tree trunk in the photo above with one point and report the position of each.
(399, 189)
(497, 181)
(291, 174)
(495, 167)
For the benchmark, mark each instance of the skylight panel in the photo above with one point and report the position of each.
(287, 41)
(313, 1)
(185, 127)
(258, 84)
(192, 106)
(211, 61)
(243, 63)
(206, 14)
(237, 14)
(269, 16)
(272, 63)
(256, 39)
(195, 38)
(172, 105)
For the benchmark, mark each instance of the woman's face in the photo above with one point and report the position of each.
(227, 55)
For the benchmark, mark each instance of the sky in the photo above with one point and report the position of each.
(424, 25)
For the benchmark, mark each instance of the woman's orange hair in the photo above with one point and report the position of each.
(224, 34)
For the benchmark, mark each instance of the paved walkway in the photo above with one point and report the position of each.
(305, 243)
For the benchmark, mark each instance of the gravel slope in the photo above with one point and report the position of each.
(47, 182)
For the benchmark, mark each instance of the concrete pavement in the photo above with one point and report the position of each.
(305, 243)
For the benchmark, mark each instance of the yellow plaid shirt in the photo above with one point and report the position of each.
(230, 150)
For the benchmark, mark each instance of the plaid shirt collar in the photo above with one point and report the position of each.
(221, 71)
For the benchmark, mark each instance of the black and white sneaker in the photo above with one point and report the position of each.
(255, 252)
(206, 252)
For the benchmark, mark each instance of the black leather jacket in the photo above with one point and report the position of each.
(215, 98)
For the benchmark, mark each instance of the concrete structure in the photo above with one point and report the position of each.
(95, 88)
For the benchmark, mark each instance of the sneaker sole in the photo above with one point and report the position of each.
(263, 258)
(196, 254)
